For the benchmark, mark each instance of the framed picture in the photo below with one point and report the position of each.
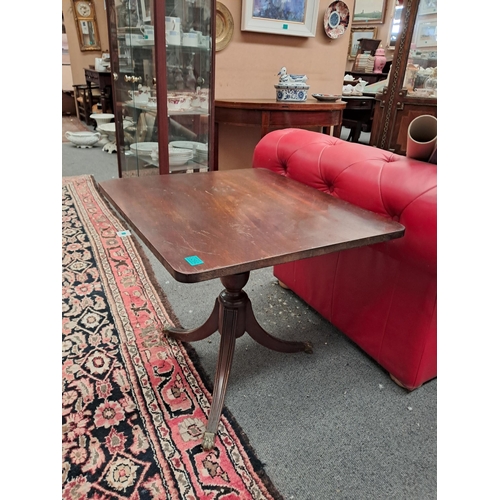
(356, 35)
(392, 36)
(427, 7)
(369, 12)
(145, 11)
(280, 17)
(426, 34)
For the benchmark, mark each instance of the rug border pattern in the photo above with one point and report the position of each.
(229, 431)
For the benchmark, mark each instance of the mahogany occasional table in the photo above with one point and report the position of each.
(224, 224)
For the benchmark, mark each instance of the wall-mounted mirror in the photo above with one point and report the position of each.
(86, 25)
(395, 24)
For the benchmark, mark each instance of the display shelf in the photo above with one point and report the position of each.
(149, 70)
(411, 89)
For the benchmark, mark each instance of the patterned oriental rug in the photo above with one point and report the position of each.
(134, 404)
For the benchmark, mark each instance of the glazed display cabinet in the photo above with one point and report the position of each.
(411, 89)
(162, 64)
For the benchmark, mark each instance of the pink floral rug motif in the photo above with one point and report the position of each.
(134, 404)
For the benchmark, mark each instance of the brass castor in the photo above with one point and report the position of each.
(282, 285)
(395, 380)
(208, 441)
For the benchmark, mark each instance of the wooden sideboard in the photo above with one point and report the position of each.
(270, 114)
(103, 80)
(395, 135)
(358, 115)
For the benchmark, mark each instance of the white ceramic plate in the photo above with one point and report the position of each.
(185, 144)
(143, 147)
(326, 97)
(103, 116)
(179, 151)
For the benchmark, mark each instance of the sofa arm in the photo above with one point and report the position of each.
(394, 186)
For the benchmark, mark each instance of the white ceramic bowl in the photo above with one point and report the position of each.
(109, 130)
(143, 148)
(108, 127)
(102, 117)
(83, 139)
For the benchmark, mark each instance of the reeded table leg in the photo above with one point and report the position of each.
(232, 316)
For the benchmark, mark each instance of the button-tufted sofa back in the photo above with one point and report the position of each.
(401, 188)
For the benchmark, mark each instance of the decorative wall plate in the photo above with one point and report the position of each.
(224, 26)
(336, 19)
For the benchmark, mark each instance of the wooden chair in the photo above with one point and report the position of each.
(85, 98)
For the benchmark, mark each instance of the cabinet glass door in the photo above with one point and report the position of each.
(135, 77)
(163, 74)
(421, 67)
(188, 26)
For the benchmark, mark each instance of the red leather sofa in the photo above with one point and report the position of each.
(382, 296)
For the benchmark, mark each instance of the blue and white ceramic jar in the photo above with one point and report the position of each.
(291, 93)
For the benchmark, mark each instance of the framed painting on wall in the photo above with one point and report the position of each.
(427, 7)
(426, 34)
(145, 11)
(356, 35)
(280, 17)
(369, 12)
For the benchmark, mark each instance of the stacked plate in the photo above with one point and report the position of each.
(179, 156)
(199, 149)
(143, 148)
(186, 144)
(201, 153)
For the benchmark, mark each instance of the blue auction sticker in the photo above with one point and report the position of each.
(193, 260)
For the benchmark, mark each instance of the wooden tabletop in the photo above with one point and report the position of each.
(213, 224)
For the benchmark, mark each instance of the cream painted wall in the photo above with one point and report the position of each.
(67, 78)
(247, 68)
(80, 60)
